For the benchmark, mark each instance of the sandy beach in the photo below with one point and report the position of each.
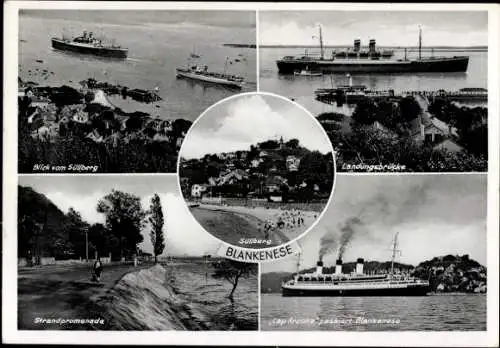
(233, 224)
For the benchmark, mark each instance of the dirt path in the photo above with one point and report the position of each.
(53, 292)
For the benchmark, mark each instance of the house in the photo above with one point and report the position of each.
(263, 154)
(431, 130)
(377, 126)
(292, 163)
(179, 141)
(256, 162)
(167, 126)
(39, 102)
(273, 184)
(231, 156)
(156, 124)
(448, 145)
(197, 190)
(95, 136)
(232, 177)
(81, 117)
(159, 137)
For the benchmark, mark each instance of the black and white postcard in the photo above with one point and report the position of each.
(238, 173)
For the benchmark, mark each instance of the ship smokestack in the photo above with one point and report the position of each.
(371, 46)
(338, 267)
(359, 266)
(319, 267)
(357, 45)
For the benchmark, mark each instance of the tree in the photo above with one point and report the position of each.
(124, 219)
(76, 231)
(232, 271)
(292, 143)
(366, 112)
(156, 221)
(410, 109)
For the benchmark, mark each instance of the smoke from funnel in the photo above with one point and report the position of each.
(347, 232)
(327, 244)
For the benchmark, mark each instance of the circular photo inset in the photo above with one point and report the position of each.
(256, 170)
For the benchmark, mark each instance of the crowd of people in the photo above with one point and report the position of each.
(291, 219)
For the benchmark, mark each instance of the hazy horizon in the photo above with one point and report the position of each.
(388, 28)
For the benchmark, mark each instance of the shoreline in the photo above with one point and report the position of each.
(266, 216)
(83, 299)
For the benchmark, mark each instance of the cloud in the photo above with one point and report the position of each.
(85, 205)
(288, 31)
(182, 232)
(247, 120)
(434, 216)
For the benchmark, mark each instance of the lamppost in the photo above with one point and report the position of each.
(87, 244)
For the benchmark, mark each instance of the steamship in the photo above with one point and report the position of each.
(194, 72)
(370, 62)
(88, 44)
(354, 284)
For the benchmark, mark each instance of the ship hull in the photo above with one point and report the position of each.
(86, 49)
(452, 64)
(366, 292)
(209, 79)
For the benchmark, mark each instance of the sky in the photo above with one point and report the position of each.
(183, 234)
(389, 28)
(230, 19)
(245, 120)
(435, 215)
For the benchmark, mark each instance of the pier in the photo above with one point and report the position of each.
(355, 94)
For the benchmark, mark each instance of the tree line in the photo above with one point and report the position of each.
(44, 230)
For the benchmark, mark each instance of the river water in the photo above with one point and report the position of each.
(155, 51)
(429, 313)
(301, 88)
(179, 296)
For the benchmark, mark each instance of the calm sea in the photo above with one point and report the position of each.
(430, 313)
(301, 88)
(155, 50)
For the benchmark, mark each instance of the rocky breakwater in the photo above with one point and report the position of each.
(453, 273)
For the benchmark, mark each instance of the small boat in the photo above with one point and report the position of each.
(306, 72)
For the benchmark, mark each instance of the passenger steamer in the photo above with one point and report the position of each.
(355, 284)
(88, 44)
(371, 62)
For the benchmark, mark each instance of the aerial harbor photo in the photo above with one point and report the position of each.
(392, 253)
(256, 170)
(396, 91)
(112, 252)
(115, 91)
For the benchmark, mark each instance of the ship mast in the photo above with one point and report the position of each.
(321, 43)
(394, 251)
(298, 263)
(419, 42)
